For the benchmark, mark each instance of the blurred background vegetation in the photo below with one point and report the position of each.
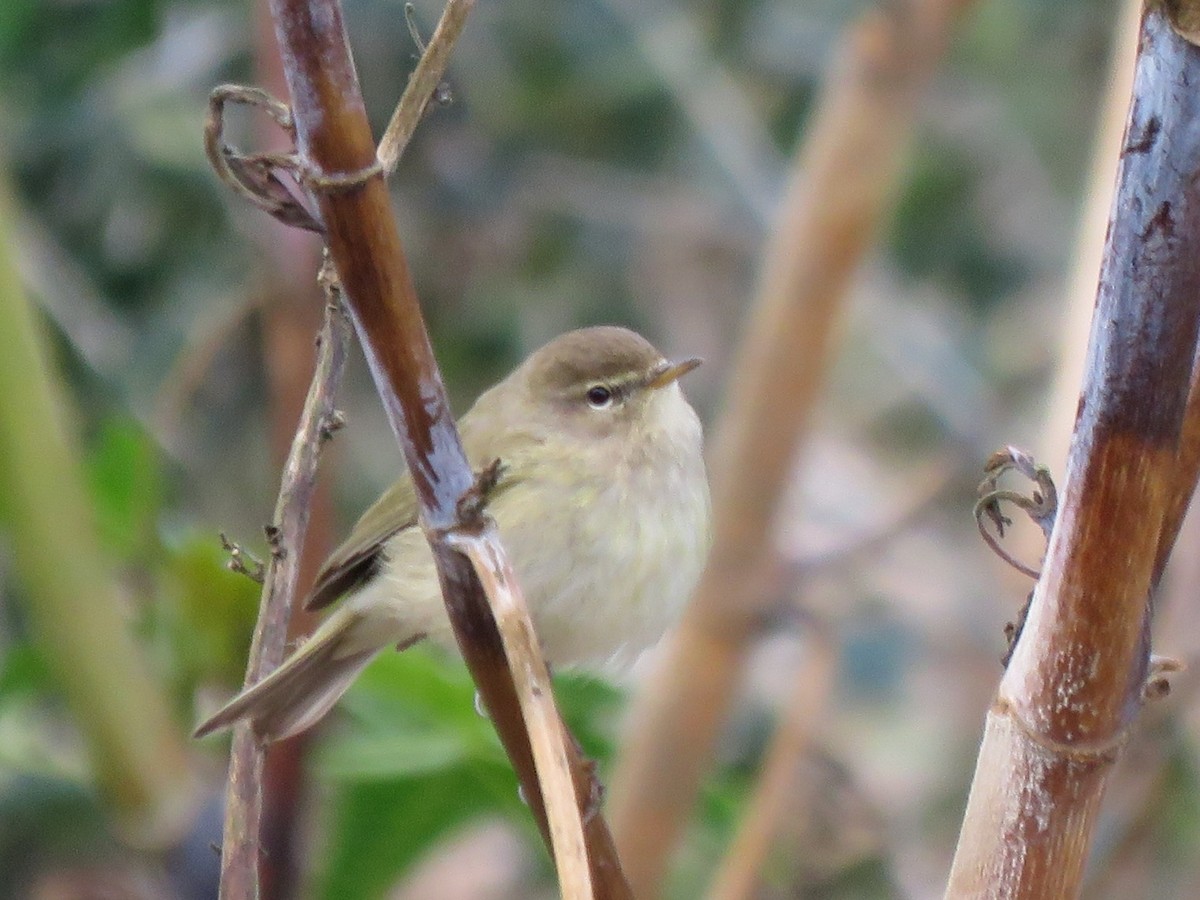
(588, 170)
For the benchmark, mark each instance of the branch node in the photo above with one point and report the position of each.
(1158, 685)
(329, 282)
(472, 505)
(342, 182)
(1104, 750)
(274, 535)
(332, 424)
(595, 801)
(242, 561)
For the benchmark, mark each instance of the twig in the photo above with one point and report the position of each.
(423, 83)
(253, 175)
(243, 810)
(242, 561)
(1040, 505)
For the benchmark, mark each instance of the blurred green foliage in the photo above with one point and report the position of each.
(127, 489)
(570, 182)
(940, 230)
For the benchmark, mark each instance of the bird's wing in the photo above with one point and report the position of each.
(358, 558)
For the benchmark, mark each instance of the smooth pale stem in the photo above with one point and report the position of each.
(531, 678)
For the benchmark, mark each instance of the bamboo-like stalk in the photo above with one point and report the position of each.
(843, 181)
(341, 169)
(1068, 700)
(138, 756)
(1080, 289)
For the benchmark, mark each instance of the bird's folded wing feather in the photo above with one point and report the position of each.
(360, 555)
(357, 559)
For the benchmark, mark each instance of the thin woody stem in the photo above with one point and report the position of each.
(423, 83)
(243, 809)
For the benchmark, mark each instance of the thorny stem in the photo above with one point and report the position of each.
(243, 809)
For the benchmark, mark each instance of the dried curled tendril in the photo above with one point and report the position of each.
(1041, 504)
(276, 182)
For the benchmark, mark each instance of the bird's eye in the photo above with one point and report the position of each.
(599, 397)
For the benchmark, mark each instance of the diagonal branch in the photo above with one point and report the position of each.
(342, 171)
(243, 807)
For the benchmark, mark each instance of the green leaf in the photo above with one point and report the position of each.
(399, 756)
(23, 670)
(417, 760)
(215, 609)
(126, 484)
(421, 686)
(589, 706)
(378, 829)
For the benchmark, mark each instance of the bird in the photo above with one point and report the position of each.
(601, 501)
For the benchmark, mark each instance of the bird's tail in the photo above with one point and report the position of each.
(302, 689)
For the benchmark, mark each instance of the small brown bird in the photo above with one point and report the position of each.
(602, 505)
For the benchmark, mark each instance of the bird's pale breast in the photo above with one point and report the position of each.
(606, 561)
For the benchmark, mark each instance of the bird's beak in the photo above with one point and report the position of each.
(666, 372)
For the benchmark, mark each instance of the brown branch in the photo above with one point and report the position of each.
(779, 783)
(342, 170)
(292, 308)
(1080, 297)
(243, 806)
(841, 187)
(1184, 477)
(1067, 702)
(741, 871)
(423, 83)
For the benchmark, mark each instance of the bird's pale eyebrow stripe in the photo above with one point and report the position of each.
(620, 387)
